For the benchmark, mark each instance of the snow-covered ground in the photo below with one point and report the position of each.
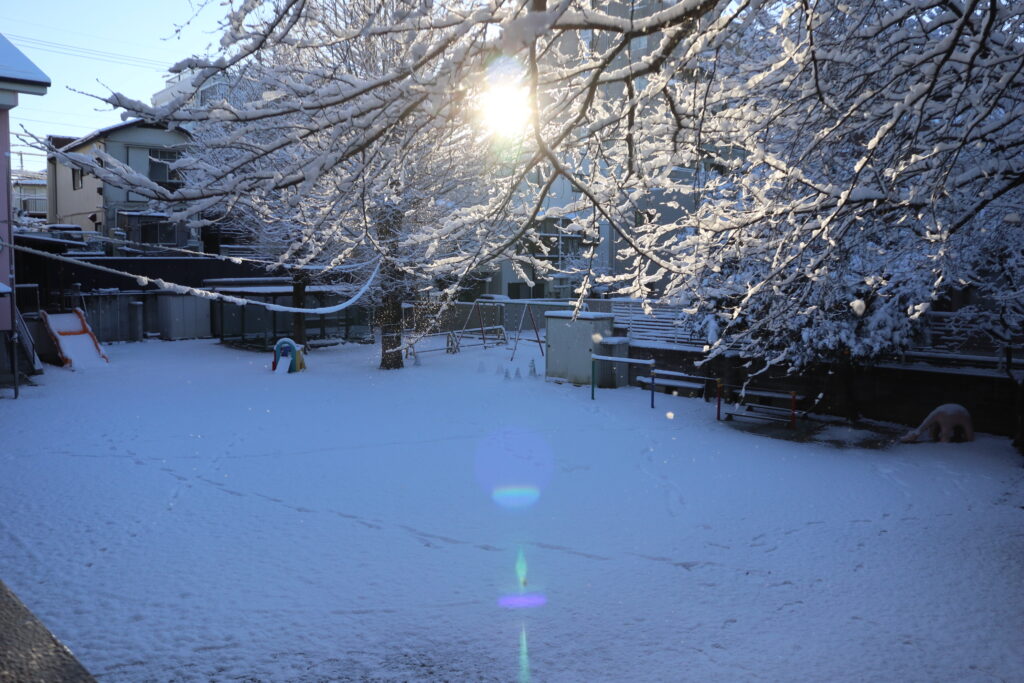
(185, 514)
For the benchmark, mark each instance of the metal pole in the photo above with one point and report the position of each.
(792, 410)
(480, 315)
(519, 332)
(536, 330)
(652, 386)
(14, 351)
(593, 377)
(718, 406)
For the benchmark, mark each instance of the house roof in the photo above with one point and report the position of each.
(18, 73)
(59, 141)
(103, 132)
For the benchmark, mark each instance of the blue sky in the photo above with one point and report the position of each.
(123, 45)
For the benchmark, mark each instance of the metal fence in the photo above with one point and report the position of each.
(258, 327)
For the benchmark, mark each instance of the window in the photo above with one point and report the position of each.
(76, 179)
(160, 171)
(215, 93)
(158, 232)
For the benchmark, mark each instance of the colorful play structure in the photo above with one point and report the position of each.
(77, 346)
(288, 350)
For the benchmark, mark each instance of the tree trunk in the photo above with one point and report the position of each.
(390, 319)
(299, 319)
(389, 223)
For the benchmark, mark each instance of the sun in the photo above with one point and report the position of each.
(504, 108)
(503, 103)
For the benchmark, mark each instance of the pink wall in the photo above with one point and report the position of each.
(5, 216)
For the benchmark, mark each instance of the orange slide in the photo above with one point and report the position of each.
(76, 344)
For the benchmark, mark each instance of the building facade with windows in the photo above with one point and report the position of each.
(78, 198)
(28, 194)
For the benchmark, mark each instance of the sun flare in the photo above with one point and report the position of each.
(504, 109)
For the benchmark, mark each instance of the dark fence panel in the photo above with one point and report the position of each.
(56, 277)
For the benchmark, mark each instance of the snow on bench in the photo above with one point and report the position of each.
(678, 380)
(622, 359)
(665, 324)
(761, 411)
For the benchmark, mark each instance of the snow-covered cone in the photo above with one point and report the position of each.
(533, 368)
(507, 376)
(497, 370)
(519, 375)
(415, 359)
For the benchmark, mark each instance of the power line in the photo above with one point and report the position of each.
(102, 54)
(68, 29)
(33, 108)
(87, 53)
(55, 123)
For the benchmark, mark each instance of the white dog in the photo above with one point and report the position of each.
(948, 421)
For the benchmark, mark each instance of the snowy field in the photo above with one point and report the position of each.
(185, 514)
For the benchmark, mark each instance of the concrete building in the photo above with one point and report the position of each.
(28, 195)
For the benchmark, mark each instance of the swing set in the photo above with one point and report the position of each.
(481, 334)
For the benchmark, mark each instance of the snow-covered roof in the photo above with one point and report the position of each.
(4, 289)
(101, 132)
(98, 133)
(18, 73)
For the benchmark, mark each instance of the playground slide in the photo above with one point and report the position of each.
(76, 344)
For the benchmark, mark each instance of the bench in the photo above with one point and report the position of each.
(677, 380)
(768, 412)
(594, 358)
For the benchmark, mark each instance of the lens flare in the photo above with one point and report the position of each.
(513, 465)
(523, 601)
(524, 657)
(503, 104)
(515, 496)
(521, 569)
(505, 109)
